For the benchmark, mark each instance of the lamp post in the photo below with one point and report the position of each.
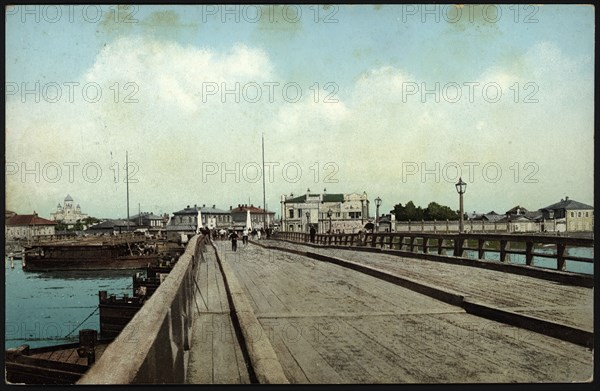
(307, 216)
(329, 213)
(362, 209)
(461, 187)
(377, 205)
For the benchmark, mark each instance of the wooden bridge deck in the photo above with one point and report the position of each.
(330, 324)
(216, 356)
(570, 305)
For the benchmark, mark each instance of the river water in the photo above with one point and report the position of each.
(42, 308)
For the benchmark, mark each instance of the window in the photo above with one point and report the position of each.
(586, 215)
(300, 213)
(572, 214)
(578, 214)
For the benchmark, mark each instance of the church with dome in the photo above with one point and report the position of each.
(66, 213)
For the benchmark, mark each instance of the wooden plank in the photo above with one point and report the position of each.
(225, 363)
(200, 363)
(292, 369)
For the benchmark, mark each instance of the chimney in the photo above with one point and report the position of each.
(567, 198)
(204, 205)
(188, 207)
(214, 206)
(252, 205)
(230, 207)
(307, 191)
(195, 205)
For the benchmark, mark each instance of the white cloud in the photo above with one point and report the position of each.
(174, 129)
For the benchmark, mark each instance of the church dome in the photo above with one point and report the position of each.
(68, 198)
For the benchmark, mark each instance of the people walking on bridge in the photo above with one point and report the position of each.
(233, 236)
(245, 236)
(313, 233)
(259, 233)
(254, 233)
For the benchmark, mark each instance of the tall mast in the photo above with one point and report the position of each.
(127, 182)
(263, 178)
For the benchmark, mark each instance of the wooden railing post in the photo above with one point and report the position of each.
(560, 257)
(400, 242)
(440, 243)
(425, 241)
(480, 251)
(503, 243)
(528, 253)
(412, 244)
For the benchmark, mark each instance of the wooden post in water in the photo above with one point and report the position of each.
(528, 253)
(480, 251)
(503, 250)
(560, 257)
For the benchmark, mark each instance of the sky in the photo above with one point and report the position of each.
(395, 100)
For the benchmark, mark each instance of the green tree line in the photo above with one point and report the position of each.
(433, 211)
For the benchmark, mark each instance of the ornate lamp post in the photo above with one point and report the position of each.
(461, 187)
(377, 205)
(329, 213)
(307, 217)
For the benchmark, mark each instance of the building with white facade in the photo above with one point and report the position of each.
(349, 212)
(67, 213)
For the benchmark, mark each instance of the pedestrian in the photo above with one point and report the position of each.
(245, 236)
(233, 236)
(254, 233)
(259, 233)
(313, 233)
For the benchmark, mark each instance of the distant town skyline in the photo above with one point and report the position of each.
(395, 100)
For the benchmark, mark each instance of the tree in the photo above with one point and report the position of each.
(433, 211)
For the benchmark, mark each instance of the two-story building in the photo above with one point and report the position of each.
(568, 215)
(27, 227)
(259, 218)
(326, 212)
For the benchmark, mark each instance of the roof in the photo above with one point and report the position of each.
(68, 198)
(326, 198)
(251, 208)
(182, 227)
(194, 210)
(149, 216)
(519, 208)
(512, 218)
(28, 220)
(568, 205)
(111, 223)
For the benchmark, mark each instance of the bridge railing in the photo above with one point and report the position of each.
(479, 246)
(151, 348)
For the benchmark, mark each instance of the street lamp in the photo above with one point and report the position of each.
(329, 213)
(362, 208)
(377, 205)
(307, 216)
(461, 187)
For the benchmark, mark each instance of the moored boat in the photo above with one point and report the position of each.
(90, 255)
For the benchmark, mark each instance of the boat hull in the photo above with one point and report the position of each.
(120, 263)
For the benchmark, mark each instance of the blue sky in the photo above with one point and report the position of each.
(367, 137)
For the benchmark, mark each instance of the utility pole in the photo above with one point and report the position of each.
(263, 180)
(127, 182)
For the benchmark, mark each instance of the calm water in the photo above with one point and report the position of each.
(572, 266)
(42, 308)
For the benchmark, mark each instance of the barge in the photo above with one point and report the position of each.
(59, 364)
(90, 255)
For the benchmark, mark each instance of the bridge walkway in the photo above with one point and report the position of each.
(330, 324)
(548, 300)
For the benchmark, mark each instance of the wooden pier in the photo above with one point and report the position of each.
(281, 312)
